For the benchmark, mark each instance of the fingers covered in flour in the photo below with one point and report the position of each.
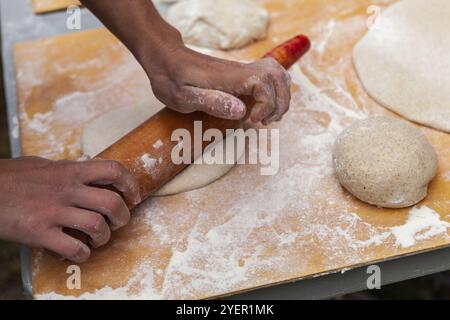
(213, 102)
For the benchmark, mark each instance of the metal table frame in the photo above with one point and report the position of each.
(19, 23)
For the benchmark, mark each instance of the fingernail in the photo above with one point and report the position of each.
(138, 199)
(94, 244)
(86, 249)
(104, 211)
(83, 158)
(85, 252)
(237, 110)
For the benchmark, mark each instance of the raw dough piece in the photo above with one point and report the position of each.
(110, 127)
(403, 61)
(219, 24)
(385, 162)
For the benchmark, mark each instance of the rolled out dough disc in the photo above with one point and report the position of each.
(112, 126)
(403, 61)
(219, 24)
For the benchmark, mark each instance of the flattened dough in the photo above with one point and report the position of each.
(110, 127)
(403, 61)
(219, 24)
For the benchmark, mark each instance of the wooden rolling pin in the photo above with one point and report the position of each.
(146, 151)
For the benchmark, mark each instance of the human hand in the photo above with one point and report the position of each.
(39, 198)
(187, 81)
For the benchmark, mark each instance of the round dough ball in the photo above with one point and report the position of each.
(112, 126)
(219, 24)
(403, 61)
(385, 162)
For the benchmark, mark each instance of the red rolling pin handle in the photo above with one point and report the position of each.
(288, 53)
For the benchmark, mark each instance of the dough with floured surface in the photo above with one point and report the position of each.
(385, 162)
(403, 61)
(112, 126)
(219, 24)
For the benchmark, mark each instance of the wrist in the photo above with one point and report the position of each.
(156, 51)
(139, 26)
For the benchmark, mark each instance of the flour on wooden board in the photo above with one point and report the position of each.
(447, 176)
(423, 223)
(143, 278)
(207, 259)
(77, 107)
(235, 254)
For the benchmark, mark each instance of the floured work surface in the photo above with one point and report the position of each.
(43, 6)
(245, 231)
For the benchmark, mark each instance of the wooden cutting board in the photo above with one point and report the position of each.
(43, 6)
(246, 230)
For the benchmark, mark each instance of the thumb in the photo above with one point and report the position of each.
(215, 103)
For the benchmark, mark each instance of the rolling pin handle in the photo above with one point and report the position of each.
(289, 52)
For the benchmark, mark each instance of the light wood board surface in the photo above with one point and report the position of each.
(43, 6)
(245, 231)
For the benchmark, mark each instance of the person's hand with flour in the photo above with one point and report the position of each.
(40, 198)
(187, 81)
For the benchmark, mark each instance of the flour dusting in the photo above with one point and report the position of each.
(148, 162)
(423, 223)
(220, 251)
(245, 230)
(447, 176)
(158, 144)
(142, 278)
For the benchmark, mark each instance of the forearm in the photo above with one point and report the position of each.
(186, 80)
(139, 26)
